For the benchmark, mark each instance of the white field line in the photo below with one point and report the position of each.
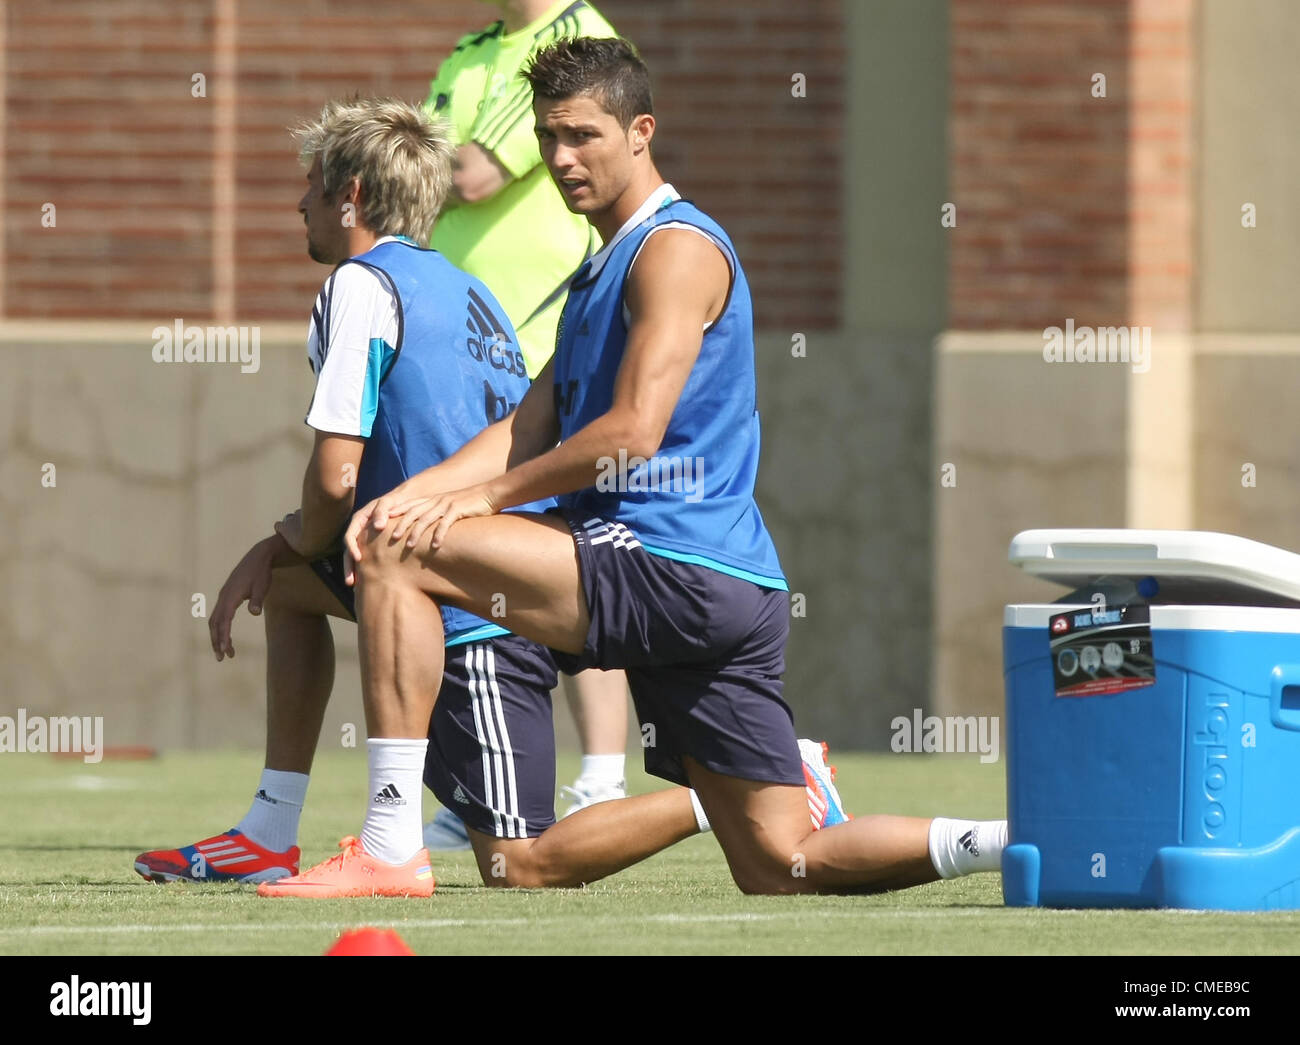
(456, 923)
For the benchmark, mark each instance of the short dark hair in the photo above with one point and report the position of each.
(608, 70)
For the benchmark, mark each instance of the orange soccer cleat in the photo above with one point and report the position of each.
(354, 872)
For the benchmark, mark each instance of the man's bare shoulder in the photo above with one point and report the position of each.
(679, 268)
(680, 255)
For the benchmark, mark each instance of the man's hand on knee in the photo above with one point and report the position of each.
(438, 514)
(369, 523)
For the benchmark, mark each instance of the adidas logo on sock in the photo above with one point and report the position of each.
(389, 796)
(970, 841)
(262, 796)
(459, 796)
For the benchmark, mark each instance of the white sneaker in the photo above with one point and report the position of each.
(582, 794)
(445, 833)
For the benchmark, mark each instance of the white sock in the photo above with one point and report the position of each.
(960, 847)
(393, 829)
(701, 820)
(272, 819)
(602, 769)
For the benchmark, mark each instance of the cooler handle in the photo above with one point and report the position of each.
(1284, 696)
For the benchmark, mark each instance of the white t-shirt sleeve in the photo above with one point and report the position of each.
(353, 332)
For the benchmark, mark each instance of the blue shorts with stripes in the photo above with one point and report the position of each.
(491, 757)
(704, 654)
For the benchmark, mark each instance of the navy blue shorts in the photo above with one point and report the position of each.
(491, 757)
(329, 569)
(704, 654)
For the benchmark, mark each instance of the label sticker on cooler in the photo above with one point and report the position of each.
(1096, 652)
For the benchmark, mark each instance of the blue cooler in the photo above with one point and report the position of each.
(1153, 723)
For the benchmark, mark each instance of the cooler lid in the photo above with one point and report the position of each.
(1191, 567)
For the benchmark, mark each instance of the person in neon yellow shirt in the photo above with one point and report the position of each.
(506, 223)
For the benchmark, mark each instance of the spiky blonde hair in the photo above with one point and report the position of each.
(401, 155)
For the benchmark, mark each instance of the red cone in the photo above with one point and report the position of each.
(367, 941)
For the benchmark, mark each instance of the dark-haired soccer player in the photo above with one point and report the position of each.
(657, 561)
(504, 223)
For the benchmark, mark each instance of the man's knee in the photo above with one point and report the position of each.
(385, 560)
(516, 877)
(380, 558)
(771, 874)
(521, 867)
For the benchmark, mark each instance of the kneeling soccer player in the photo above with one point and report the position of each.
(412, 358)
(654, 366)
(409, 354)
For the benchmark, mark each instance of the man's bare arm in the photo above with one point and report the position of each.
(679, 284)
(328, 492)
(530, 429)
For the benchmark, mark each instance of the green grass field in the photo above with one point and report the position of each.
(70, 832)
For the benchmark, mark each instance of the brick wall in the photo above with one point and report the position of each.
(164, 210)
(1037, 165)
(99, 121)
(1070, 204)
(1163, 149)
(766, 164)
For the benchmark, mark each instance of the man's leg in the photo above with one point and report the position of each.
(519, 569)
(522, 566)
(299, 679)
(720, 723)
(768, 837)
(299, 665)
(589, 845)
(764, 831)
(531, 562)
(491, 757)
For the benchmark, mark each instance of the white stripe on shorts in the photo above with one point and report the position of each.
(507, 755)
(601, 532)
(475, 651)
(489, 720)
(499, 780)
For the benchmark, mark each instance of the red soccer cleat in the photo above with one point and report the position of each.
(231, 857)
